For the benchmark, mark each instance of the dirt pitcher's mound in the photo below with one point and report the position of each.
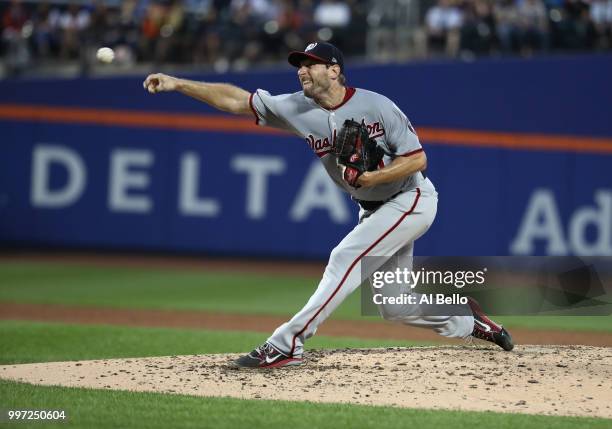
(554, 380)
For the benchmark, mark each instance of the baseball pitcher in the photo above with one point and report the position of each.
(370, 150)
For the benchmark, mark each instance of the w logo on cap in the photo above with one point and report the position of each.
(319, 52)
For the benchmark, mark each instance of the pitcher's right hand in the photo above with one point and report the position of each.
(159, 82)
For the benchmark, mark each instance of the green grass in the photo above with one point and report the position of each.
(155, 288)
(172, 289)
(114, 409)
(43, 342)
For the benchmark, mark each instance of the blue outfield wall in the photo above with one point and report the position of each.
(118, 187)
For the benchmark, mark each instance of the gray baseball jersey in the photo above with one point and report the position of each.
(388, 232)
(386, 123)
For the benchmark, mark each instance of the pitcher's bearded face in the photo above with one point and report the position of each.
(314, 77)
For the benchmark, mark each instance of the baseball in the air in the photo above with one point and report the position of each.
(106, 55)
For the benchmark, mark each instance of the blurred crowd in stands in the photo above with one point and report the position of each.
(525, 27)
(237, 33)
(219, 33)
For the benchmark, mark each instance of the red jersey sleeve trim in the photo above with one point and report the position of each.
(253, 108)
(414, 152)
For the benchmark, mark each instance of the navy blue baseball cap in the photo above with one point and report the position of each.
(319, 51)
